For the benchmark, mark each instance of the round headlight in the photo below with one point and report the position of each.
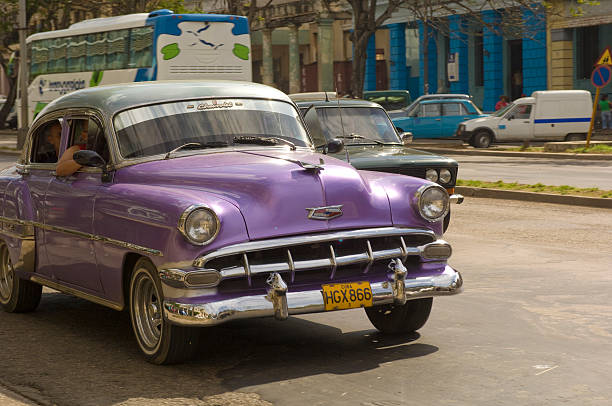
(199, 225)
(433, 202)
(445, 176)
(431, 175)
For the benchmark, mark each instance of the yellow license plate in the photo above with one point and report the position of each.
(337, 296)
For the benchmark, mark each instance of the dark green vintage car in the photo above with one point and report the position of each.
(371, 141)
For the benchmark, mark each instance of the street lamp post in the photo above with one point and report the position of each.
(23, 74)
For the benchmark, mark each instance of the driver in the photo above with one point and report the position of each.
(66, 165)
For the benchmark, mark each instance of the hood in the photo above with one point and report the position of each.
(390, 156)
(480, 120)
(273, 193)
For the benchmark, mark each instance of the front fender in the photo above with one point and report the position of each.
(148, 216)
(401, 190)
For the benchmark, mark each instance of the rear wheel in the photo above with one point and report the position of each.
(482, 139)
(407, 318)
(160, 341)
(16, 295)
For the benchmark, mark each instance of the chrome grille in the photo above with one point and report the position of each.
(335, 255)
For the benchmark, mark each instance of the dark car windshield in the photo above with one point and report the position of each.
(159, 129)
(368, 122)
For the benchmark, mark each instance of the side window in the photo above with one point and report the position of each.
(451, 109)
(522, 111)
(141, 47)
(46, 143)
(430, 110)
(87, 134)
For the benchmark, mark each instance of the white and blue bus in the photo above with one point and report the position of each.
(138, 47)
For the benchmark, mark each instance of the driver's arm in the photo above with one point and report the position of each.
(66, 166)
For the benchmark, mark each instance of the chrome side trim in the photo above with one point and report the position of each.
(87, 236)
(71, 291)
(309, 239)
(311, 301)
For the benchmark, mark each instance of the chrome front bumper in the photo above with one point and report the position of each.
(281, 303)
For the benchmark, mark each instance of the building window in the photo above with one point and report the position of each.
(587, 50)
(478, 59)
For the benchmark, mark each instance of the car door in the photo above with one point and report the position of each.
(428, 122)
(69, 219)
(452, 114)
(42, 155)
(518, 123)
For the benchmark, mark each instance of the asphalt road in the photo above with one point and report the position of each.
(533, 327)
(556, 172)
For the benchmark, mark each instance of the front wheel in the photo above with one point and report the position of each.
(16, 295)
(482, 139)
(407, 318)
(159, 340)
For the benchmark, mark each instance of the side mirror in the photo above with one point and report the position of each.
(510, 118)
(334, 146)
(89, 158)
(406, 138)
(93, 160)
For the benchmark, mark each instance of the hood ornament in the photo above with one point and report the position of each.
(325, 212)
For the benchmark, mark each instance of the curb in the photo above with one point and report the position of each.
(534, 197)
(553, 155)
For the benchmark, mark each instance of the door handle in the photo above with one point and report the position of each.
(552, 125)
(527, 122)
(438, 119)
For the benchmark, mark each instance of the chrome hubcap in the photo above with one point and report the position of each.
(147, 311)
(6, 274)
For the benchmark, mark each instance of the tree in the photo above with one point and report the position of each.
(251, 9)
(368, 16)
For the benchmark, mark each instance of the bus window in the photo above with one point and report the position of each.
(96, 52)
(77, 52)
(57, 55)
(40, 57)
(117, 49)
(141, 47)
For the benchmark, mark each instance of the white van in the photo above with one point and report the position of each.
(548, 115)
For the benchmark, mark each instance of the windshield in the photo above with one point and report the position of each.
(368, 122)
(503, 111)
(161, 128)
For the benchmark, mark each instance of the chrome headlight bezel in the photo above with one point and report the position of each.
(183, 224)
(422, 194)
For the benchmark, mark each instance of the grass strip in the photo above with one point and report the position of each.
(538, 187)
(593, 149)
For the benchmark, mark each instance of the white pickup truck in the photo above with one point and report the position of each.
(548, 115)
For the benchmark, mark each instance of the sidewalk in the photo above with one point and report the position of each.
(9, 398)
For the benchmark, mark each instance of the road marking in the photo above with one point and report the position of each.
(547, 370)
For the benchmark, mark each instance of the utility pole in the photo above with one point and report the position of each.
(23, 74)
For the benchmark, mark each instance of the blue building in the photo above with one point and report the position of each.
(461, 56)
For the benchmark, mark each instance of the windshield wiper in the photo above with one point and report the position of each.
(196, 145)
(353, 136)
(246, 139)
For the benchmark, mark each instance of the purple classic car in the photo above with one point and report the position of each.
(200, 203)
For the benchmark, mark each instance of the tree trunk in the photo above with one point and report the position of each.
(10, 101)
(360, 48)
